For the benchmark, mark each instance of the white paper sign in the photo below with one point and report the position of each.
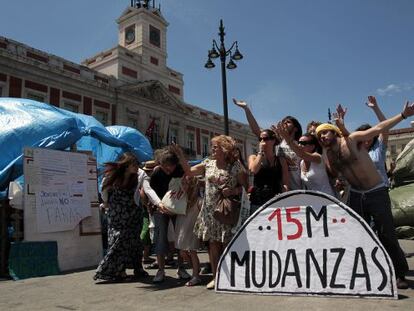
(306, 243)
(61, 196)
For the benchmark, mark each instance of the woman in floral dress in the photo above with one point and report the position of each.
(223, 176)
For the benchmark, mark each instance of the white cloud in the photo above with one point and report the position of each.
(391, 89)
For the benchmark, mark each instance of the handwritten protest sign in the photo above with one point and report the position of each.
(306, 243)
(61, 192)
(59, 210)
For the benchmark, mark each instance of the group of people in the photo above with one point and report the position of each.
(327, 158)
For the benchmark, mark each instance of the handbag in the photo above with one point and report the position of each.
(227, 210)
(175, 199)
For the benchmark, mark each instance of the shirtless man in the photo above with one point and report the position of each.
(368, 196)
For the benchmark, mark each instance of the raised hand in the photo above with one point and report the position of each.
(241, 103)
(372, 102)
(282, 131)
(339, 118)
(408, 109)
(339, 115)
(341, 112)
(177, 150)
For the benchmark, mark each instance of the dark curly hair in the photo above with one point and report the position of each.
(296, 123)
(365, 127)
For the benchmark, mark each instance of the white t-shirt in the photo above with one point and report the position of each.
(293, 162)
(316, 178)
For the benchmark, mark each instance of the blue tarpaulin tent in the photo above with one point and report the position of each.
(28, 123)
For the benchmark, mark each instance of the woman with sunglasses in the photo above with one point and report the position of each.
(271, 175)
(313, 170)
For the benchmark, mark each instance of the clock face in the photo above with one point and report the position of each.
(129, 35)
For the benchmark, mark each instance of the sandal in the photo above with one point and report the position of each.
(148, 260)
(170, 262)
(211, 285)
(154, 265)
(195, 280)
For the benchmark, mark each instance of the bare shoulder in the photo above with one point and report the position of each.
(349, 141)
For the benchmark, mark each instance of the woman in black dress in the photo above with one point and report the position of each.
(124, 220)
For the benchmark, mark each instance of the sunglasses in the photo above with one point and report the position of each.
(306, 143)
(265, 138)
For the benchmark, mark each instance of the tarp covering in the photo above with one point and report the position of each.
(401, 194)
(28, 123)
(402, 201)
(404, 166)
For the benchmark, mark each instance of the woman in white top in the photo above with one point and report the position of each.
(313, 171)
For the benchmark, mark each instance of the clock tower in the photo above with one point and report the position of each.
(143, 30)
(141, 52)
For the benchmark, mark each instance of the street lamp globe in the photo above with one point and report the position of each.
(237, 55)
(209, 64)
(213, 53)
(231, 65)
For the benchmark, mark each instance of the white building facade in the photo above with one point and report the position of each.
(129, 84)
(397, 140)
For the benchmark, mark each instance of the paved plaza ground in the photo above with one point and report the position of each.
(77, 291)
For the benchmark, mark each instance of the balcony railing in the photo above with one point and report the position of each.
(191, 153)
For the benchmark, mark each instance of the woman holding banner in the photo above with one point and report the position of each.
(223, 177)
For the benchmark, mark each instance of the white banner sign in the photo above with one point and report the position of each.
(306, 243)
(61, 193)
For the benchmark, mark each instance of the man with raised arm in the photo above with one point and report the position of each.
(368, 195)
(377, 146)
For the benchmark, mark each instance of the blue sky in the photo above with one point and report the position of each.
(300, 56)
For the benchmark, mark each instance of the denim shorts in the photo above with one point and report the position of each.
(161, 221)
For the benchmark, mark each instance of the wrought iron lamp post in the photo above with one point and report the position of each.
(222, 52)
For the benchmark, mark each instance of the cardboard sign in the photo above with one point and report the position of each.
(306, 243)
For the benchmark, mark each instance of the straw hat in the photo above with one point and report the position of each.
(149, 165)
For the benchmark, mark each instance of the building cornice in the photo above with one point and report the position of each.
(408, 130)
